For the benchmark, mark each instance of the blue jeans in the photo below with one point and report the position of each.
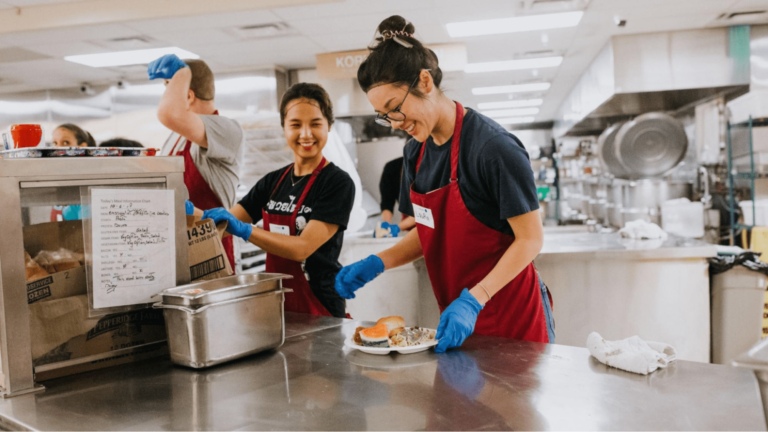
(547, 312)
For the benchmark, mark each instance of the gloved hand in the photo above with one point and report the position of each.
(236, 227)
(457, 321)
(352, 277)
(189, 208)
(386, 229)
(165, 67)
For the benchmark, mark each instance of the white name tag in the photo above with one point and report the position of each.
(280, 229)
(423, 216)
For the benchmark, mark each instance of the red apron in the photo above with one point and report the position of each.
(460, 251)
(201, 195)
(301, 299)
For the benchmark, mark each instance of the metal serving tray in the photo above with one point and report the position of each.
(215, 333)
(219, 290)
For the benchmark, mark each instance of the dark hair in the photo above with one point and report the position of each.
(202, 83)
(313, 92)
(80, 135)
(120, 142)
(397, 57)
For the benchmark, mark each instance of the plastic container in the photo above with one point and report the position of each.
(761, 212)
(683, 218)
(737, 312)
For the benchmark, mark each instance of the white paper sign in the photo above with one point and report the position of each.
(134, 245)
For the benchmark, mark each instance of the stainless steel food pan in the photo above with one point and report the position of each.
(228, 288)
(215, 333)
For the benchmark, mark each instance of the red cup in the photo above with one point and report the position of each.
(26, 135)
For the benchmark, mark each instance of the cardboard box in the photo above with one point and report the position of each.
(62, 333)
(53, 236)
(207, 259)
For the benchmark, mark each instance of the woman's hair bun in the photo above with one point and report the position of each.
(396, 23)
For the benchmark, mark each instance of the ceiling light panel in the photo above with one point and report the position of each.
(534, 63)
(510, 104)
(510, 112)
(124, 58)
(514, 25)
(517, 88)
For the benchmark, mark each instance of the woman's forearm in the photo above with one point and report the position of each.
(515, 259)
(405, 251)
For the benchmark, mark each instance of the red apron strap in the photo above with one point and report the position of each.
(279, 182)
(456, 142)
(454, 145)
(306, 191)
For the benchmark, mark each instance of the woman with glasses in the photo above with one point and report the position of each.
(469, 184)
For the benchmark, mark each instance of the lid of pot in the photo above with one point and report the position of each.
(223, 289)
(607, 151)
(650, 145)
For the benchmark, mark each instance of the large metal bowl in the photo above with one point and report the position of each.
(650, 145)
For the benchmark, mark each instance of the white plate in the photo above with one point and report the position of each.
(384, 351)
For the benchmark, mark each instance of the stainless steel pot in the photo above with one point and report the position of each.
(607, 151)
(651, 193)
(650, 145)
(216, 321)
(613, 212)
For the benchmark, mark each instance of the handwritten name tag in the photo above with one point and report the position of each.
(280, 229)
(423, 216)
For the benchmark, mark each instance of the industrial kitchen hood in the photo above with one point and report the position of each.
(664, 71)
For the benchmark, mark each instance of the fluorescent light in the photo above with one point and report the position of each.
(124, 58)
(534, 63)
(518, 88)
(514, 25)
(510, 112)
(510, 104)
(514, 120)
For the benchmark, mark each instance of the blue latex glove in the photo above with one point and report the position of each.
(189, 208)
(352, 277)
(457, 321)
(165, 67)
(460, 371)
(394, 230)
(236, 227)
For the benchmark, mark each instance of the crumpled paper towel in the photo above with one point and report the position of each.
(642, 230)
(632, 354)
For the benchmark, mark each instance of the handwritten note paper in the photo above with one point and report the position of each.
(134, 245)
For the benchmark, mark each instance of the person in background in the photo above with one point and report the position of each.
(209, 143)
(470, 186)
(121, 142)
(70, 135)
(389, 188)
(305, 207)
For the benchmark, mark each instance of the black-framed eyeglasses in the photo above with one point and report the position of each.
(395, 114)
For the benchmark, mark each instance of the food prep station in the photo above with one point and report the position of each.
(312, 382)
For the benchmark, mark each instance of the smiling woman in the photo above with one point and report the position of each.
(469, 185)
(305, 207)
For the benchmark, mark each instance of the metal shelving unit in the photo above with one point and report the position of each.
(733, 174)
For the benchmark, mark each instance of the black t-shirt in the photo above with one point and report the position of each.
(389, 185)
(495, 176)
(330, 200)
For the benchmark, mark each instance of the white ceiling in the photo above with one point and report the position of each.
(350, 24)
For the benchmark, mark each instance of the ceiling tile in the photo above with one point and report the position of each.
(191, 23)
(354, 8)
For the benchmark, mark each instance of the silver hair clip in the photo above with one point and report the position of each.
(390, 34)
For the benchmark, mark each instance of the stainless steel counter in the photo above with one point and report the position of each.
(313, 382)
(592, 245)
